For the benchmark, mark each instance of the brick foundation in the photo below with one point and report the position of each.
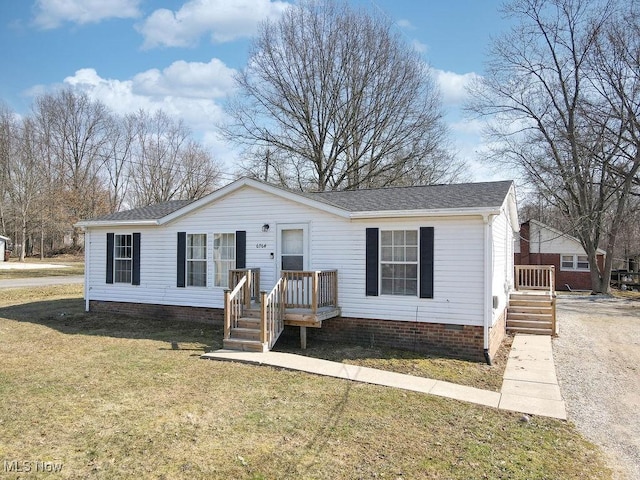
(462, 341)
(214, 316)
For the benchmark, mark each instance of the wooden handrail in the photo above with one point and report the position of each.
(311, 289)
(233, 306)
(535, 277)
(272, 313)
(253, 283)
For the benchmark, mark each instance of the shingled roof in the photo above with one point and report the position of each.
(429, 197)
(484, 195)
(150, 212)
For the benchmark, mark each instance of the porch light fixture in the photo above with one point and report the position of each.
(265, 227)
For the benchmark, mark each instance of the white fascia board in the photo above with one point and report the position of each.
(444, 212)
(115, 223)
(248, 182)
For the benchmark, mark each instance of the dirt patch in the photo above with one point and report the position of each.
(597, 358)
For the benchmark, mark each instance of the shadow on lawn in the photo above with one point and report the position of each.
(68, 316)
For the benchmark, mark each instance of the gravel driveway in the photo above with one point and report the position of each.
(597, 356)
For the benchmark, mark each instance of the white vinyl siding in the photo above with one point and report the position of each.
(334, 243)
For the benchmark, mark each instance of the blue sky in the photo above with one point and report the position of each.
(180, 55)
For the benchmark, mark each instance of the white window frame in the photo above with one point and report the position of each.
(223, 265)
(576, 260)
(385, 261)
(119, 259)
(192, 261)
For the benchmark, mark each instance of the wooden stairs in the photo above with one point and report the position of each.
(246, 335)
(532, 312)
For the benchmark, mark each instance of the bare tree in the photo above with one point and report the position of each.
(79, 130)
(25, 178)
(119, 151)
(542, 93)
(6, 130)
(167, 165)
(339, 101)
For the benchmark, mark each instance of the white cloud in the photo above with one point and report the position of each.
(453, 86)
(419, 47)
(53, 13)
(191, 91)
(187, 79)
(223, 20)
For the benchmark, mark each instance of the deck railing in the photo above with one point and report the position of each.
(234, 306)
(311, 289)
(252, 291)
(272, 313)
(535, 277)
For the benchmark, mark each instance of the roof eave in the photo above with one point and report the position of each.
(116, 223)
(248, 182)
(443, 212)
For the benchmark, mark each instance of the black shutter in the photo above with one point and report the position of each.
(110, 242)
(241, 249)
(135, 273)
(372, 262)
(181, 258)
(426, 262)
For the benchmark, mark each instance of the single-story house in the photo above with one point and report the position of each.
(540, 244)
(4, 247)
(426, 268)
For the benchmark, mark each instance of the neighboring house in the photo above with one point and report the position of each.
(424, 268)
(540, 244)
(4, 247)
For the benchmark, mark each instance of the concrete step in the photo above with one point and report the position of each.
(245, 334)
(243, 345)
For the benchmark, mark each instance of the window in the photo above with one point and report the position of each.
(197, 260)
(224, 257)
(574, 262)
(399, 262)
(123, 258)
(292, 256)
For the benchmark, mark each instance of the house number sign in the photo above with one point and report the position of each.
(261, 245)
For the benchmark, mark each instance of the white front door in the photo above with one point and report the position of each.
(293, 247)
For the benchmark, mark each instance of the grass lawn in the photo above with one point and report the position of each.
(108, 397)
(71, 266)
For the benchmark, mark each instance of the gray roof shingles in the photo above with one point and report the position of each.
(429, 197)
(150, 212)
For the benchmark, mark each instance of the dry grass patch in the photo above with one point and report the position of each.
(108, 397)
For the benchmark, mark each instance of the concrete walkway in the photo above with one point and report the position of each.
(530, 384)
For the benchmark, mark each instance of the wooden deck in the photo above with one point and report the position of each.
(254, 321)
(532, 307)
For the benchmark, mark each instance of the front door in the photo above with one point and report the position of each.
(293, 247)
(293, 255)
